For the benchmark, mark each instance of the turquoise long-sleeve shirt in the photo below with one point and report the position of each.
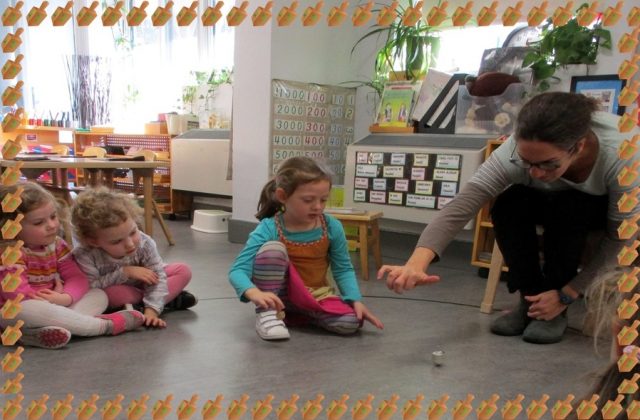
(340, 263)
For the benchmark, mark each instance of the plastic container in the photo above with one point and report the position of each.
(211, 221)
(489, 114)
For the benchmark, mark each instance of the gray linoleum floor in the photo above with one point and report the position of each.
(213, 348)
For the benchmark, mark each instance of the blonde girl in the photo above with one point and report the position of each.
(57, 301)
(285, 262)
(123, 261)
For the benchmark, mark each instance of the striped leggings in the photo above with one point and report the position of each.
(270, 274)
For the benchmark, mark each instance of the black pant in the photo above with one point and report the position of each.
(566, 216)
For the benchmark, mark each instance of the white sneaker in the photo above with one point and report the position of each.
(45, 337)
(269, 327)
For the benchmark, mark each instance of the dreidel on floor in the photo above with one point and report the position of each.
(537, 14)
(538, 408)
(633, 411)
(262, 408)
(412, 14)
(487, 408)
(628, 227)
(629, 93)
(62, 408)
(12, 307)
(37, 408)
(628, 201)
(312, 408)
(62, 14)
(237, 14)
(633, 17)
(629, 359)
(288, 408)
(37, 14)
(462, 14)
(337, 408)
(12, 120)
(187, 408)
(12, 361)
(612, 15)
(12, 408)
(562, 14)
(362, 408)
(628, 174)
(112, 408)
(162, 14)
(186, 15)
(463, 408)
(237, 408)
(628, 333)
(12, 13)
(212, 15)
(12, 333)
(87, 14)
(11, 42)
(111, 15)
(162, 408)
(628, 41)
(388, 408)
(11, 148)
(511, 15)
(628, 254)
(11, 68)
(387, 14)
(212, 408)
(587, 15)
(13, 386)
(628, 68)
(137, 14)
(262, 15)
(437, 14)
(512, 408)
(487, 15)
(12, 200)
(412, 408)
(628, 307)
(628, 280)
(12, 227)
(87, 408)
(137, 408)
(612, 408)
(562, 408)
(12, 94)
(12, 253)
(312, 14)
(629, 386)
(437, 408)
(337, 15)
(362, 14)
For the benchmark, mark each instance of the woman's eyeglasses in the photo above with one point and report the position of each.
(548, 166)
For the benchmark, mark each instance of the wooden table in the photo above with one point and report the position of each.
(32, 169)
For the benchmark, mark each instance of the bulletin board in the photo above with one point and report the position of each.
(311, 120)
(421, 180)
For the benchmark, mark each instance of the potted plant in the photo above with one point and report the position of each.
(560, 46)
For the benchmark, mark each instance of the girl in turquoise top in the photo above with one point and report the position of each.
(285, 262)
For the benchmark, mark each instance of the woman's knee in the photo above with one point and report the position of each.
(515, 200)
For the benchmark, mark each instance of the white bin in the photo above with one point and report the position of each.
(211, 221)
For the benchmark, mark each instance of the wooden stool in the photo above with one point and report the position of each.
(368, 236)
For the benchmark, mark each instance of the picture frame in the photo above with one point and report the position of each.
(605, 88)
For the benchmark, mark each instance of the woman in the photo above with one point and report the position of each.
(558, 170)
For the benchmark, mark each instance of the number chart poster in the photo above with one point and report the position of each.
(312, 120)
(422, 180)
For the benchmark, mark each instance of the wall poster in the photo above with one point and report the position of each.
(422, 180)
(311, 120)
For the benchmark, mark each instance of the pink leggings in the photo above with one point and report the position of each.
(178, 276)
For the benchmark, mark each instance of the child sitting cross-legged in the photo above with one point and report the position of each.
(123, 261)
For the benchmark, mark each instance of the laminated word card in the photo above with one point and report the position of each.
(423, 180)
(312, 120)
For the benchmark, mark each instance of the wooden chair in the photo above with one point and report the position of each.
(150, 156)
(94, 176)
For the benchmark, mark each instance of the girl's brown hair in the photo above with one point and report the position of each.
(101, 208)
(291, 173)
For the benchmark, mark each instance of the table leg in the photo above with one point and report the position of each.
(375, 243)
(147, 188)
(364, 250)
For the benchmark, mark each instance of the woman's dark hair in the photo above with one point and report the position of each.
(292, 173)
(559, 118)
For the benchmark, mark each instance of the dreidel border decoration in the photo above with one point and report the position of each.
(187, 15)
(37, 14)
(237, 14)
(338, 14)
(11, 42)
(262, 14)
(62, 15)
(362, 14)
(11, 14)
(162, 14)
(137, 14)
(562, 14)
(212, 15)
(512, 14)
(112, 14)
(87, 15)
(487, 14)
